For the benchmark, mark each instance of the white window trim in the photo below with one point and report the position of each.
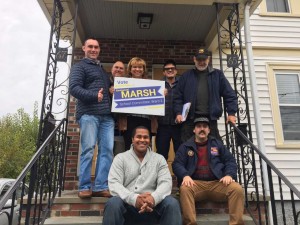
(294, 8)
(272, 69)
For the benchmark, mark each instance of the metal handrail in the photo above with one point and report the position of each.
(275, 208)
(268, 162)
(50, 156)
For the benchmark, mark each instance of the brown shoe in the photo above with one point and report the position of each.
(85, 194)
(104, 193)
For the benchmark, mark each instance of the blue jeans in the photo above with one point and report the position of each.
(117, 212)
(95, 129)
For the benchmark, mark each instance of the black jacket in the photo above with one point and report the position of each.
(218, 86)
(87, 77)
(169, 117)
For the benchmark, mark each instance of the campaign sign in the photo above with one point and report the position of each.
(138, 96)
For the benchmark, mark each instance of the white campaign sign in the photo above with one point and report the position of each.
(138, 96)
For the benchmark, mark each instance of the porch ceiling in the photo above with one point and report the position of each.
(190, 20)
(111, 19)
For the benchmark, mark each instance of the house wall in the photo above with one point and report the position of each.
(276, 45)
(275, 40)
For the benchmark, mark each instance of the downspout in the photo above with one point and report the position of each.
(255, 100)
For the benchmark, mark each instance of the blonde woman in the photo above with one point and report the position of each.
(137, 68)
(128, 122)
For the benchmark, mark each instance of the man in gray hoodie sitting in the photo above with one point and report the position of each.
(140, 183)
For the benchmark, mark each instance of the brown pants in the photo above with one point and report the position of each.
(214, 191)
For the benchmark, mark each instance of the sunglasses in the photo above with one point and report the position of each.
(169, 68)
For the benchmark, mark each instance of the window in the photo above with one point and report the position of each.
(281, 8)
(4, 190)
(277, 6)
(288, 90)
(284, 87)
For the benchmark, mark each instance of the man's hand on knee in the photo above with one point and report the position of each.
(188, 181)
(227, 180)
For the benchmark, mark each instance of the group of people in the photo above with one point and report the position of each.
(138, 181)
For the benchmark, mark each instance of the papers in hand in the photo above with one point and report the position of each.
(185, 110)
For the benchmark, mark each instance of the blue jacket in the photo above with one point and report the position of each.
(218, 86)
(221, 162)
(87, 77)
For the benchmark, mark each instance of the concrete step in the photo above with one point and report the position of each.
(69, 209)
(74, 220)
(212, 219)
(70, 205)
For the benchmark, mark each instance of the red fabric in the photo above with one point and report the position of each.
(203, 172)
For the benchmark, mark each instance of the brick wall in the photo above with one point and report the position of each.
(153, 52)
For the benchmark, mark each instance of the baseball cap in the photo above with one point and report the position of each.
(201, 119)
(202, 53)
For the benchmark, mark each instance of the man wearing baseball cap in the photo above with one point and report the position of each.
(206, 170)
(204, 87)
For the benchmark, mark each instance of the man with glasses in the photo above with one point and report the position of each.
(167, 128)
(204, 87)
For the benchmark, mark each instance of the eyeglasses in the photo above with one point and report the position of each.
(169, 68)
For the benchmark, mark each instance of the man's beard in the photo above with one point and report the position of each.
(202, 68)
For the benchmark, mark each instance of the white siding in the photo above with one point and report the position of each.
(286, 160)
(283, 32)
(276, 36)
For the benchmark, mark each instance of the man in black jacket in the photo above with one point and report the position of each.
(89, 84)
(203, 87)
(167, 128)
(207, 170)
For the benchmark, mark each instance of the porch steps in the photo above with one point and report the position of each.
(69, 209)
(212, 219)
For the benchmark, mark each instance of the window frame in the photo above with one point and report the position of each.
(286, 3)
(272, 70)
(294, 9)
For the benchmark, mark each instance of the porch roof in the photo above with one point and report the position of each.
(189, 20)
